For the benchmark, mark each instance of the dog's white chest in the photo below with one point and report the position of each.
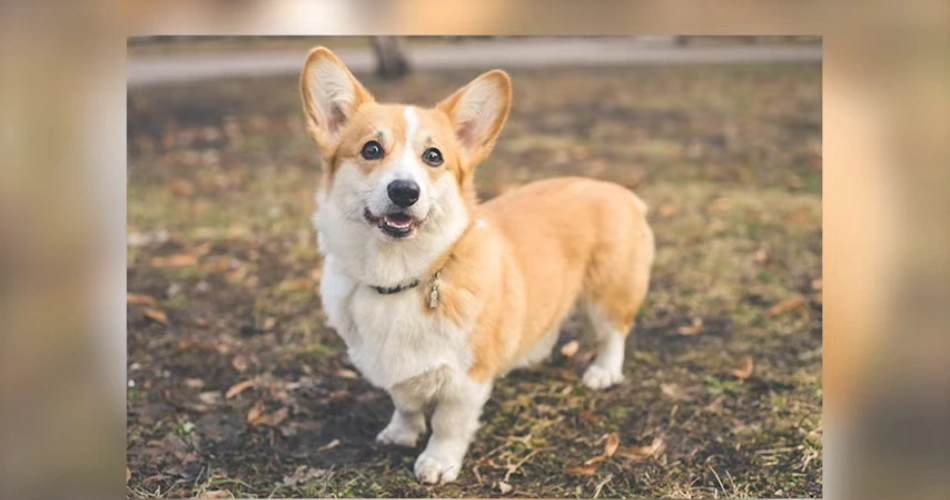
(391, 338)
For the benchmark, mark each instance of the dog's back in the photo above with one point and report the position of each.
(576, 239)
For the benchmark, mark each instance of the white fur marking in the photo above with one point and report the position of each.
(454, 424)
(607, 368)
(419, 358)
(412, 124)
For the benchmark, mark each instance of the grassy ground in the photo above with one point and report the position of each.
(238, 388)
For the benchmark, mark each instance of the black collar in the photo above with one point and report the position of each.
(395, 289)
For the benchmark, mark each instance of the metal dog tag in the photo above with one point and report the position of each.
(434, 292)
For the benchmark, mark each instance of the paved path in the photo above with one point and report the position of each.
(145, 70)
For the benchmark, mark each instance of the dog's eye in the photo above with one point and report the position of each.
(372, 151)
(433, 157)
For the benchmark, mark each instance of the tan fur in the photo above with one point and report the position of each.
(539, 249)
(483, 288)
(560, 240)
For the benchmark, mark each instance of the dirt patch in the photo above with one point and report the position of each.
(244, 390)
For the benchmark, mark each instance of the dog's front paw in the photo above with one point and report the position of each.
(597, 377)
(400, 435)
(432, 469)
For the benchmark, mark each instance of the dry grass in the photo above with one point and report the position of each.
(729, 160)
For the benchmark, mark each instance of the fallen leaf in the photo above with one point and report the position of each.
(344, 373)
(194, 383)
(641, 452)
(816, 284)
(596, 460)
(201, 323)
(611, 445)
(273, 419)
(567, 374)
(589, 417)
(786, 305)
(186, 344)
(589, 470)
(316, 274)
(302, 474)
(216, 494)
(675, 392)
(239, 363)
(239, 388)
(238, 232)
(745, 371)
(201, 249)
(667, 210)
(693, 329)
(237, 275)
(762, 255)
(715, 405)
(570, 349)
(632, 181)
(794, 181)
(799, 218)
(295, 285)
(336, 396)
(721, 204)
(216, 265)
(504, 487)
(330, 445)
(181, 188)
(594, 168)
(255, 412)
(140, 299)
(269, 323)
(209, 397)
(279, 391)
(128, 475)
(154, 479)
(177, 260)
(156, 315)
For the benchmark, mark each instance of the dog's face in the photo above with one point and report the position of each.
(399, 172)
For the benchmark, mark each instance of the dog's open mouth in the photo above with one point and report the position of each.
(397, 224)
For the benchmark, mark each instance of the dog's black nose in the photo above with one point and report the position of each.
(403, 193)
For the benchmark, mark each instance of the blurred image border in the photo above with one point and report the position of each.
(885, 250)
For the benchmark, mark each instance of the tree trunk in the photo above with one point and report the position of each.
(390, 56)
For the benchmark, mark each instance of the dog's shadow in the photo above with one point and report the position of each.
(340, 418)
(339, 424)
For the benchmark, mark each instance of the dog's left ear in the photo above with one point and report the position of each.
(331, 95)
(478, 112)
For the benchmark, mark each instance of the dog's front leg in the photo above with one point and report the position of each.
(454, 423)
(407, 424)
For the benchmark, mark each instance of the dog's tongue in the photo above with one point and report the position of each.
(398, 220)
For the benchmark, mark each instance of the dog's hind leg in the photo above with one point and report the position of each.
(614, 295)
(607, 368)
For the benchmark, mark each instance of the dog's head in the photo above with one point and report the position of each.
(400, 172)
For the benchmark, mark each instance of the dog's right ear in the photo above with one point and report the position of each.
(331, 96)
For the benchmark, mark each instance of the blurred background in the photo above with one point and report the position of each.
(237, 387)
(63, 227)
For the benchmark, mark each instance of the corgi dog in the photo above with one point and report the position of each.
(436, 295)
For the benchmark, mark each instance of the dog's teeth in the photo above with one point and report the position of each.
(399, 224)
